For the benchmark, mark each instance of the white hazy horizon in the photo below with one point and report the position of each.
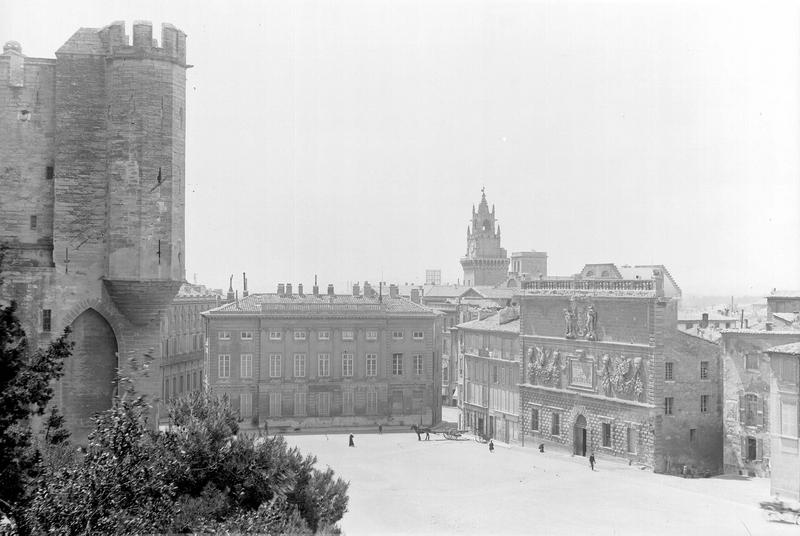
(351, 139)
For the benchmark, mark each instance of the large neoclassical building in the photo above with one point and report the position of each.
(291, 360)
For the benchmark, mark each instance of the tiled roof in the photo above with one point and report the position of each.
(491, 323)
(275, 304)
(793, 348)
(189, 290)
(444, 291)
(496, 292)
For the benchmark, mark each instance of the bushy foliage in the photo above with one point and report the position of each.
(197, 477)
(26, 379)
(120, 486)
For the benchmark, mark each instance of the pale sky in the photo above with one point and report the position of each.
(351, 139)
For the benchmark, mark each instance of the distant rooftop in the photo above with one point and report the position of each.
(275, 304)
(697, 316)
(784, 294)
(496, 322)
(793, 348)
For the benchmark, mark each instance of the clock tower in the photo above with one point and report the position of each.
(486, 263)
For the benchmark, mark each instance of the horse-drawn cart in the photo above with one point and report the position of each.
(779, 510)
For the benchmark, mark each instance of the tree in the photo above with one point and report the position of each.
(26, 387)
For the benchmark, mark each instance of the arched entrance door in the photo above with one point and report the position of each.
(579, 436)
(88, 383)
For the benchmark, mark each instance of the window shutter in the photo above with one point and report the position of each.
(760, 449)
(765, 410)
(760, 411)
(742, 410)
(744, 448)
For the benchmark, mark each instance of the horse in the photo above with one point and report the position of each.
(422, 430)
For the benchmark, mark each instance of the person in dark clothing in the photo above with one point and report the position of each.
(427, 436)
(380, 428)
(591, 460)
(491, 446)
(352, 443)
(541, 447)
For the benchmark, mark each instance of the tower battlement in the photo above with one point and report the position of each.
(113, 41)
(117, 43)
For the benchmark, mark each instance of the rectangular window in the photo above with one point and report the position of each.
(33, 222)
(692, 435)
(224, 366)
(180, 384)
(275, 403)
(606, 434)
(372, 402)
(246, 370)
(630, 440)
(275, 365)
(668, 405)
(324, 365)
(224, 335)
(299, 365)
(789, 370)
(372, 364)
(555, 424)
(418, 335)
(49, 173)
(323, 404)
(494, 374)
(668, 371)
(274, 335)
(299, 335)
(419, 367)
(246, 335)
(397, 364)
(46, 320)
(397, 335)
(347, 365)
(751, 361)
(703, 370)
(348, 401)
(245, 405)
(534, 419)
(299, 404)
(372, 335)
(703, 403)
(788, 418)
(324, 335)
(347, 335)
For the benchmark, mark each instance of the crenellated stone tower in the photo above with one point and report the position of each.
(486, 263)
(92, 167)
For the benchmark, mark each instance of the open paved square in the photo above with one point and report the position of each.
(399, 485)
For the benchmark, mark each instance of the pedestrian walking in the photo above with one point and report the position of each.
(380, 428)
(491, 446)
(591, 460)
(427, 436)
(352, 443)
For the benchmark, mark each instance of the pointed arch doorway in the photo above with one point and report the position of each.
(579, 436)
(88, 385)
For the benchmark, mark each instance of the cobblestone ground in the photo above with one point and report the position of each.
(399, 485)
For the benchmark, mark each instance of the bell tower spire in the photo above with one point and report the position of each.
(486, 262)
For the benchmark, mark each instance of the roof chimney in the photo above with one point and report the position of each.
(415, 295)
(704, 321)
(300, 290)
(356, 290)
(394, 292)
(230, 291)
(315, 289)
(281, 289)
(288, 290)
(244, 285)
(330, 290)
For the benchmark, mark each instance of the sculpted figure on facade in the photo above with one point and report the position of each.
(621, 377)
(569, 324)
(591, 323)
